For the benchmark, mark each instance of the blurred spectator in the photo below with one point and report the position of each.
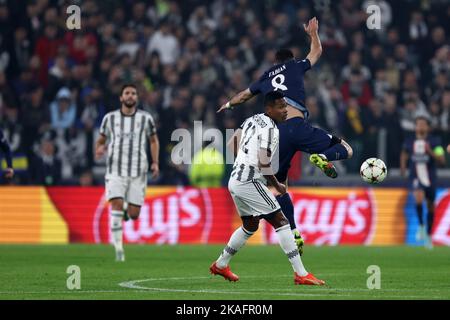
(357, 87)
(63, 110)
(165, 44)
(394, 133)
(46, 167)
(207, 168)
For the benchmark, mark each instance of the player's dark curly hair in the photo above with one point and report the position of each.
(270, 98)
(127, 85)
(283, 55)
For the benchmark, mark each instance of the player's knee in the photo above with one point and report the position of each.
(134, 215)
(250, 224)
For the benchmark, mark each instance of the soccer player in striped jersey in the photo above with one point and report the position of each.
(253, 169)
(296, 133)
(423, 151)
(9, 172)
(124, 134)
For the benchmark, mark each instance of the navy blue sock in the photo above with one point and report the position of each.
(287, 207)
(419, 210)
(336, 152)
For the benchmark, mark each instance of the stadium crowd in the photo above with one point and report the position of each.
(188, 57)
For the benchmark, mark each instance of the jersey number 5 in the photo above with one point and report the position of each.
(278, 82)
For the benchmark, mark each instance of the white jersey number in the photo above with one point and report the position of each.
(278, 82)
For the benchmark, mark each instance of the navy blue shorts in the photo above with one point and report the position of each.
(296, 134)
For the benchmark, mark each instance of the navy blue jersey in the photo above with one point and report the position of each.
(422, 167)
(288, 77)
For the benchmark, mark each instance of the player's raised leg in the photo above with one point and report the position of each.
(338, 150)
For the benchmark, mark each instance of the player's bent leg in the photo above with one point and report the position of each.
(287, 243)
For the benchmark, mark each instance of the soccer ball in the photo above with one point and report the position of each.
(373, 170)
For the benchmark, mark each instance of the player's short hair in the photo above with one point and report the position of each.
(422, 116)
(270, 98)
(127, 85)
(283, 55)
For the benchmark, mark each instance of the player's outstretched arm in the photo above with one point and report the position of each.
(154, 149)
(241, 97)
(312, 29)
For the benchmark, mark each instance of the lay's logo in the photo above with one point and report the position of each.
(343, 217)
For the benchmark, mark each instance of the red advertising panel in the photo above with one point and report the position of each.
(169, 215)
(441, 226)
(338, 217)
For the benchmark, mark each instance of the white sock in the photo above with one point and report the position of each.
(237, 241)
(287, 243)
(116, 229)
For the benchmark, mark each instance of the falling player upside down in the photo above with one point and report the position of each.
(251, 172)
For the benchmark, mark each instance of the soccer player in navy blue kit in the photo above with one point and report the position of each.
(423, 151)
(7, 152)
(296, 134)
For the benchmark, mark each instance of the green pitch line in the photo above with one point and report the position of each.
(181, 272)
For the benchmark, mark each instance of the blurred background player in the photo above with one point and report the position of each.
(423, 152)
(296, 134)
(251, 174)
(127, 131)
(9, 172)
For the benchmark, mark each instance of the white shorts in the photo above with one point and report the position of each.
(252, 198)
(130, 189)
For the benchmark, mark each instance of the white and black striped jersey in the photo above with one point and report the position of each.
(127, 140)
(258, 131)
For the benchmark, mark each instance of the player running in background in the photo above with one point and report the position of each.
(423, 152)
(127, 131)
(296, 134)
(9, 174)
(252, 171)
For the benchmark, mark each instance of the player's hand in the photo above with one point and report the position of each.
(281, 188)
(154, 168)
(448, 148)
(312, 27)
(100, 151)
(9, 173)
(223, 107)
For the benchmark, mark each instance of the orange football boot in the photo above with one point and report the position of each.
(309, 279)
(225, 272)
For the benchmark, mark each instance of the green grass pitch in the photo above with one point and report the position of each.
(181, 272)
